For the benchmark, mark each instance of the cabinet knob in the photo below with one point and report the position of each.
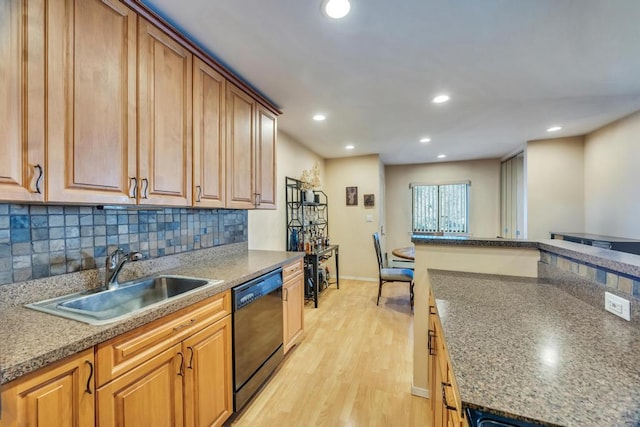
(444, 397)
(145, 190)
(39, 179)
(181, 364)
(133, 192)
(190, 358)
(88, 389)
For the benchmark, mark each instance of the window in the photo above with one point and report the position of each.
(440, 208)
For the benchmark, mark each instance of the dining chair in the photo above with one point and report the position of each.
(386, 274)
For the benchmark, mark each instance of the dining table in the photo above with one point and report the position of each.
(406, 252)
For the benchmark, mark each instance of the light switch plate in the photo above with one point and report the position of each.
(616, 305)
(369, 218)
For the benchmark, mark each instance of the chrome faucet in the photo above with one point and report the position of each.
(115, 261)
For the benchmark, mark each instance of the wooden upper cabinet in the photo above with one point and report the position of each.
(91, 105)
(22, 99)
(241, 110)
(208, 136)
(266, 159)
(56, 396)
(164, 118)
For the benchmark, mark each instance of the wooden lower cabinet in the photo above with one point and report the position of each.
(446, 405)
(59, 395)
(208, 384)
(176, 371)
(148, 395)
(293, 304)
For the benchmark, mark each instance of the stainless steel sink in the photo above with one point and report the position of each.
(131, 297)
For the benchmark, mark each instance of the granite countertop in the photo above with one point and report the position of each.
(525, 348)
(31, 339)
(597, 237)
(617, 261)
(473, 241)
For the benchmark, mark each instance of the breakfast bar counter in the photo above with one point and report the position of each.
(522, 347)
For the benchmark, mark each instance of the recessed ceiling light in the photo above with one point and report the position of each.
(425, 140)
(442, 156)
(554, 128)
(319, 117)
(349, 147)
(337, 9)
(440, 99)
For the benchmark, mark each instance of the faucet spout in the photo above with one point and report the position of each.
(114, 264)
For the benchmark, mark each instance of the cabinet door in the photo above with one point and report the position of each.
(266, 159)
(293, 315)
(149, 395)
(439, 411)
(56, 396)
(164, 118)
(208, 136)
(91, 98)
(208, 384)
(22, 99)
(240, 149)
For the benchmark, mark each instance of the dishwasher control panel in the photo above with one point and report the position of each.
(247, 293)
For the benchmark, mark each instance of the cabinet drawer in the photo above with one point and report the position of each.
(125, 352)
(291, 270)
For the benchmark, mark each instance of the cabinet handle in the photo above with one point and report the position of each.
(257, 199)
(191, 358)
(184, 325)
(145, 191)
(286, 295)
(182, 364)
(40, 174)
(432, 310)
(432, 348)
(199, 193)
(133, 193)
(444, 397)
(88, 390)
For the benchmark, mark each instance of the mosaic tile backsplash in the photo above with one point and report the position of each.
(41, 241)
(611, 280)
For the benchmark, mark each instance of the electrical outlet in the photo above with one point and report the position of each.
(618, 306)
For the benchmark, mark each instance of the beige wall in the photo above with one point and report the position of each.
(484, 196)
(612, 179)
(555, 186)
(348, 226)
(267, 228)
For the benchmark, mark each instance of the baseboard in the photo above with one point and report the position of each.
(420, 392)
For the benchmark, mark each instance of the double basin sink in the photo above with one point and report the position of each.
(111, 305)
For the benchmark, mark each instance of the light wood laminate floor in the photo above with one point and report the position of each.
(353, 367)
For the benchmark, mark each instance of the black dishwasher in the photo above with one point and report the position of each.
(257, 334)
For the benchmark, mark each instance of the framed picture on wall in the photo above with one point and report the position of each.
(369, 201)
(352, 196)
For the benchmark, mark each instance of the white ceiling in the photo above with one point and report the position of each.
(513, 68)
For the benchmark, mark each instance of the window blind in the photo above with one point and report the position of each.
(440, 208)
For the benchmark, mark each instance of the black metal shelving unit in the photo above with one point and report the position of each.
(308, 231)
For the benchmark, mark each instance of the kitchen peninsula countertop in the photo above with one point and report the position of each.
(426, 239)
(523, 347)
(617, 261)
(31, 339)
